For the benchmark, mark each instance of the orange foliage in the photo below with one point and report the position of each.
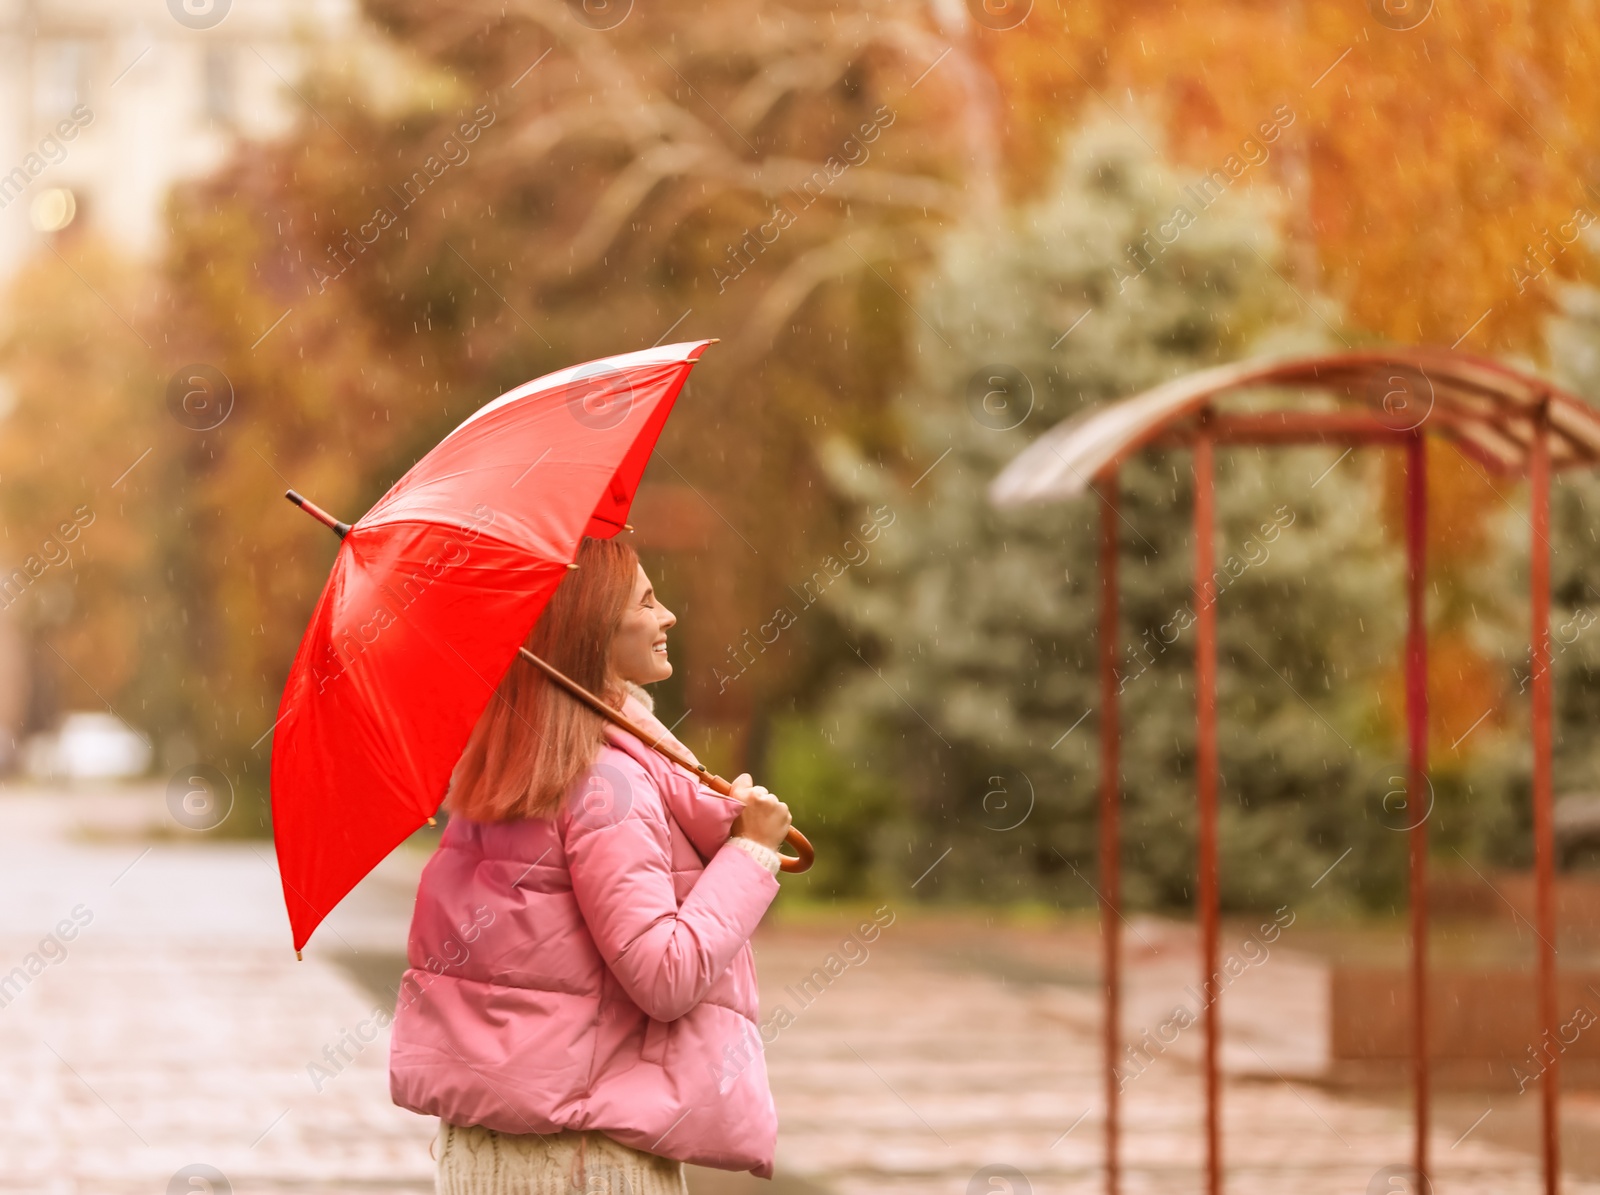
(1468, 699)
(1435, 181)
(1433, 173)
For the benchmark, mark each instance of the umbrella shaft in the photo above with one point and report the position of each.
(803, 849)
(617, 717)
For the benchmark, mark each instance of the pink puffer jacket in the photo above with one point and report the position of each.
(593, 971)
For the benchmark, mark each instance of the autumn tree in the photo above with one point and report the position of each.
(540, 187)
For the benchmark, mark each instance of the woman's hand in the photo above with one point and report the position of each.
(764, 818)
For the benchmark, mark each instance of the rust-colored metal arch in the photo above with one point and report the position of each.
(1511, 422)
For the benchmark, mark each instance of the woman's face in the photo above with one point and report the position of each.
(639, 651)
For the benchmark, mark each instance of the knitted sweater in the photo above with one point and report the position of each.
(479, 1161)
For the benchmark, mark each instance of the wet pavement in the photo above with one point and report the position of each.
(153, 1019)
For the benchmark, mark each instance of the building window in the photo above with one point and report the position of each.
(217, 84)
(60, 78)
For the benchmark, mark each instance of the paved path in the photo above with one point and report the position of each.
(908, 1076)
(176, 1029)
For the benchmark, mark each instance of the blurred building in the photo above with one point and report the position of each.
(104, 104)
(114, 100)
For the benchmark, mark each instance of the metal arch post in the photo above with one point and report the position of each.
(1543, 832)
(1419, 802)
(1110, 835)
(1205, 668)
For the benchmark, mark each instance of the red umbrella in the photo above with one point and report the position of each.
(432, 594)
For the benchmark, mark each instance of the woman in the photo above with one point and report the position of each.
(580, 1007)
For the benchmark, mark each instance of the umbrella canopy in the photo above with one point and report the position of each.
(431, 594)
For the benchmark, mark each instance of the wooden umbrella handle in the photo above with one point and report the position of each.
(804, 855)
(317, 513)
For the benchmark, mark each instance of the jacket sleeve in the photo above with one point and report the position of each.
(665, 956)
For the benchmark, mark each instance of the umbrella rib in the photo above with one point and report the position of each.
(549, 557)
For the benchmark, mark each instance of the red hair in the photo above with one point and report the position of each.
(533, 740)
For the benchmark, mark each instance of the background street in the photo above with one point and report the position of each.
(178, 1031)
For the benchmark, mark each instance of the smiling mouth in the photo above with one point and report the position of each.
(660, 648)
